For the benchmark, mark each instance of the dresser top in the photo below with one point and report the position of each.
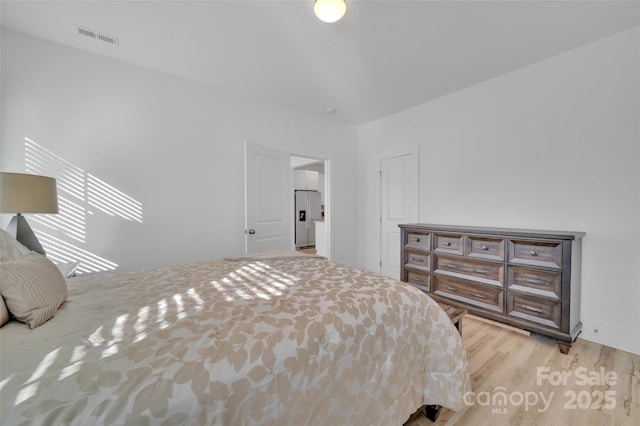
(532, 233)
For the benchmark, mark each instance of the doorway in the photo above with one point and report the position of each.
(270, 199)
(309, 195)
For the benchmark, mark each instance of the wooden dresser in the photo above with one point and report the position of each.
(528, 279)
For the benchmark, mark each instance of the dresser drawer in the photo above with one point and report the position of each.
(419, 241)
(535, 281)
(535, 309)
(485, 247)
(536, 253)
(487, 297)
(448, 243)
(422, 281)
(487, 272)
(418, 259)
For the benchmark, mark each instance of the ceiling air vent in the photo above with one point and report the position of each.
(97, 35)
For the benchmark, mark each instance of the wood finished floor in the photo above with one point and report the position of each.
(310, 250)
(502, 358)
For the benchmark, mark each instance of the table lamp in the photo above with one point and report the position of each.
(25, 193)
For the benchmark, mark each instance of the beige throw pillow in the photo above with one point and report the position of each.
(10, 248)
(33, 288)
(4, 313)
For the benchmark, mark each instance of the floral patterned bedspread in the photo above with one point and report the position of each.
(285, 341)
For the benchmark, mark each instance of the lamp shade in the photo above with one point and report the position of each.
(24, 193)
(329, 10)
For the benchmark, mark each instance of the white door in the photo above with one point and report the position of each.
(267, 174)
(398, 204)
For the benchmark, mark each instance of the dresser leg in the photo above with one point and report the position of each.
(564, 347)
(432, 411)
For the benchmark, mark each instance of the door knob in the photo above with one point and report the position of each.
(251, 231)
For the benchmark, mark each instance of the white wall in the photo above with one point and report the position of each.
(555, 145)
(173, 145)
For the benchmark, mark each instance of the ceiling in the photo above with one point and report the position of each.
(381, 58)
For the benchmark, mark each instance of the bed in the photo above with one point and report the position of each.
(268, 340)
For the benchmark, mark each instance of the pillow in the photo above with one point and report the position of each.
(10, 248)
(4, 314)
(33, 288)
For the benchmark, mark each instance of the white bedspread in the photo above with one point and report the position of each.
(270, 341)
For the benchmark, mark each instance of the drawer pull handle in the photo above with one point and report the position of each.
(479, 296)
(450, 288)
(485, 247)
(532, 308)
(533, 253)
(481, 271)
(448, 243)
(417, 279)
(417, 240)
(417, 259)
(451, 266)
(534, 281)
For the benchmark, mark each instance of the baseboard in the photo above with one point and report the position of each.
(623, 338)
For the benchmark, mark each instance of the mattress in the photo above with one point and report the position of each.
(265, 340)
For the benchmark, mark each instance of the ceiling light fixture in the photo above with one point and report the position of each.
(329, 11)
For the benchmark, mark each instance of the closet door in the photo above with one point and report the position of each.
(398, 204)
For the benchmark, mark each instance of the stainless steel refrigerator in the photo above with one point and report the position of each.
(307, 209)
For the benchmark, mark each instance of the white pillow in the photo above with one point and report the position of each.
(33, 288)
(10, 248)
